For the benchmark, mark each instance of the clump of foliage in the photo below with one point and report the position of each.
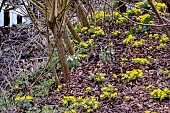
(162, 42)
(94, 31)
(108, 92)
(89, 104)
(161, 7)
(116, 33)
(150, 111)
(98, 76)
(131, 75)
(124, 59)
(133, 11)
(161, 94)
(129, 40)
(140, 60)
(164, 72)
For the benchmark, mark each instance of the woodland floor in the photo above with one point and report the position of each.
(20, 54)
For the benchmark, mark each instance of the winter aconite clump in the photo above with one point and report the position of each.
(131, 75)
(140, 60)
(108, 92)
(129, 40)
(161, 94)
(94, 31)
(99, 77)
(89, 104)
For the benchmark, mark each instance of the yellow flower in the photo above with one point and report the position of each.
(88, 111)
(111, 44)
(79, 34)
(150, 35)
(79, 98)
(149, 57)
(140, 60)
(146, 32)
(88, 89)
(84, 28)
(22, 98)
(147, 111)
(82, 55)
(73, 111)
(127, 97)
(64, 101)
(124, 59)
(149, 86)
(166, 90)
(143, 17)
(95, 105)
(150, 47)
(114, 76)
(104, 89)
(164, 38)
(113, 95)
(139, 4)
(106, 94)
(102, 96)
(29, 97)
(17, 98)
(129, 39)
(16, 87)
(116, 33)
(91, 26)
(156, 35)
(72, 98)
(115, 89)
(59, 86)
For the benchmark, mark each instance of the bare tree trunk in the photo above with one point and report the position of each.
(68, 43)
(71, 28)
(61, 53)
(81, 14)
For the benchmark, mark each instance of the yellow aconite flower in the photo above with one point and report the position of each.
(64, 101)
(124, 59)
(102, 96)
(73, 111)
(149, 57)
(111, 44)
(82, 55)
(29, 97)
(16, 86)
(95, 105)
(88, 111)
(140, 60)
(129, 39)
(59, 86)
(113, 95)
(83, 44)
(22, 98)
(127, 97)
(116, 33)
(147, 111)
(143, 17)
(17, 98)
(67, 112)
(149, 86)
(72, 98)
(84, 28)
(139, 4)
(155, 35)
(88, 89)
(114, 76)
